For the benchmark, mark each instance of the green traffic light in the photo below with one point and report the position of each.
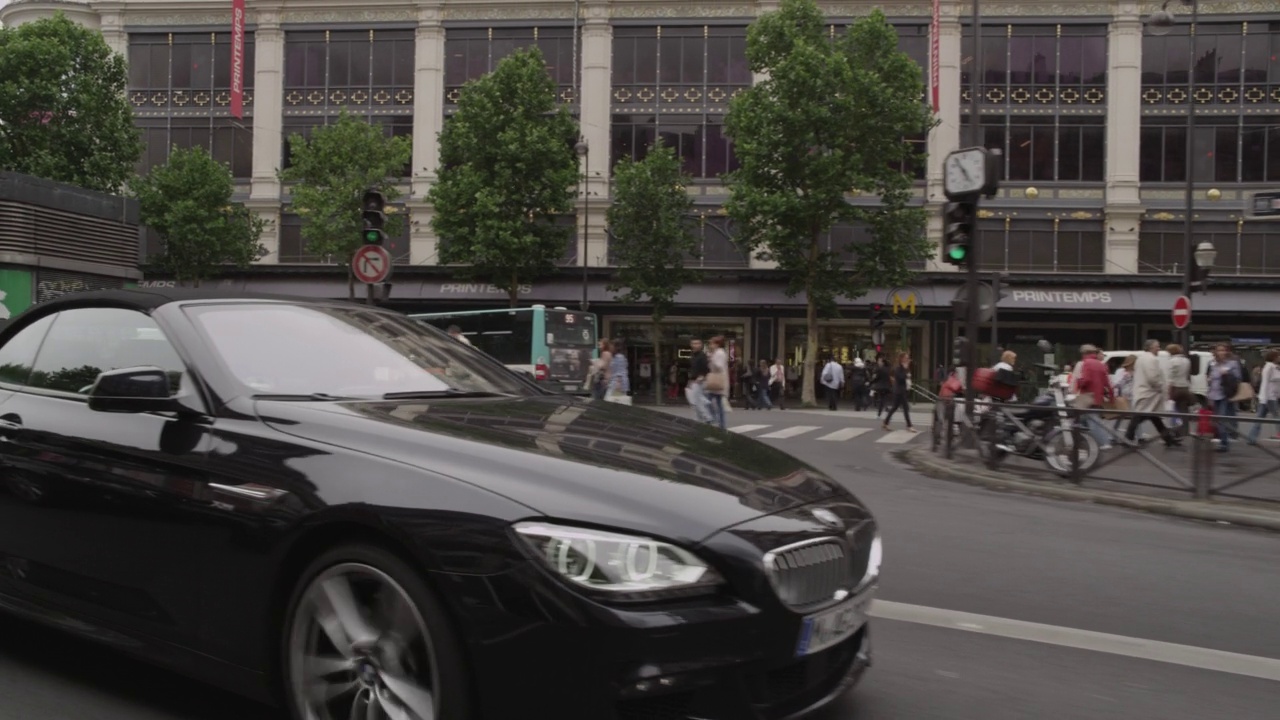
(957, 253)
(371, 236)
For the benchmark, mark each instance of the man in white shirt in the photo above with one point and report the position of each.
(832, 378)
(455, 332)
(778, 383)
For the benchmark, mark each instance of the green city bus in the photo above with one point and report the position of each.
(553, 345)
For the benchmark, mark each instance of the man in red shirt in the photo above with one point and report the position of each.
(1093, 388)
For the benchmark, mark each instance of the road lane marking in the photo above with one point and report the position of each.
(898, 437)
(845, 434)
(790, 432)
(1196, 657)
(747, 428)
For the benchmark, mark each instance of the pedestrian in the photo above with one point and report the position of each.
(695, 391)
(1225, 377)
(778, 384)
(880, 381)
(858, 385)
(832, 379)
(619, 382)
(598, 378)
(455, 332)
(1149, 394)
(1268, 391)
(1093, 392)
(1122, 383)
(901, 386)
(760, 385)
(1179, 381)
(717, 381)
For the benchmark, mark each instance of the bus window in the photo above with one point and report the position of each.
(506, 336)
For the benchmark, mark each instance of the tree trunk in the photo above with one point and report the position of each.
(808, 381)
(513, 295)
(808, 396)
(351, 284)
(658, 371)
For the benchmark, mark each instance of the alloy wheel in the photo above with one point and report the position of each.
(360, 650)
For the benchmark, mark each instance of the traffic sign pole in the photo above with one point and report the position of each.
(371, 264)
(1182, 313)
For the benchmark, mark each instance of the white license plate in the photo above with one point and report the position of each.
(831, 627)
(570, 388)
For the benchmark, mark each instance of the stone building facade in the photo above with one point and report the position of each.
(1088, 108)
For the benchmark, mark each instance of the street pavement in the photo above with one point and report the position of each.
(993, 607)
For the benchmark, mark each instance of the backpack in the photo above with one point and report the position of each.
(1230, 380)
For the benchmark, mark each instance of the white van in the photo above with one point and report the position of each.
(1199, 368)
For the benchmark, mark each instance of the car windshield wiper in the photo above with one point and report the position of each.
(449, 393)
(303, 397)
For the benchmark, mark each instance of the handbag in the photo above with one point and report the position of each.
(717, 381)
(1243, 392)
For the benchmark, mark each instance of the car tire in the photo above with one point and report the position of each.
(363, 627)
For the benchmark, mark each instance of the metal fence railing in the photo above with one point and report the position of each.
(1215, 455)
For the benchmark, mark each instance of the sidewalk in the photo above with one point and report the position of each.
(921, 413)
(1158, 494)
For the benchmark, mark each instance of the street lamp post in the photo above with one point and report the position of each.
(1197, 260)
(584, 152)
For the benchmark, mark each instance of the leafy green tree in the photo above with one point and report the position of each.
(507, 170)
(649, 225)
(187, 201)
(829, 119)
(63, 112)
(331, 172)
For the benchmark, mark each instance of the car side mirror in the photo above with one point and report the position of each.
(132, 390)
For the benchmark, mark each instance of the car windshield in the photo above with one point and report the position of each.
(277, 348)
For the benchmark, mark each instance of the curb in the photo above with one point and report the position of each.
(926, 463)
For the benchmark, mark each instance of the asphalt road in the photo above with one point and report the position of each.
(997, 606)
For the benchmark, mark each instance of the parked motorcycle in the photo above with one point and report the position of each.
(1045, 432)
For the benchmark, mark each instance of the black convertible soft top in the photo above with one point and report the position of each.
(145, 300)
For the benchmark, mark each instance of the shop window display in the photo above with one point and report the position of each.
(672, 366)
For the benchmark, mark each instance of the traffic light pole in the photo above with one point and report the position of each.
(995, 313)
(975, 251)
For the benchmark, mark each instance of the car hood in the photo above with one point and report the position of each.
(574, 459)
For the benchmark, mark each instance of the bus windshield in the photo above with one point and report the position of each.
(570, 329)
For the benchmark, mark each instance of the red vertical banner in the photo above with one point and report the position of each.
(237, 59)
(935, 61)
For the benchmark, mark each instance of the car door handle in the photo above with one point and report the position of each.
(9, 423)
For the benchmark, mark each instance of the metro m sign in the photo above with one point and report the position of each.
(237, 59)
(904, 303)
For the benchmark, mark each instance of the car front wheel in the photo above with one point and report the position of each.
(365, 638)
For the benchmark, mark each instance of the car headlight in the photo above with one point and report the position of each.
(873, 562)
(620, 567)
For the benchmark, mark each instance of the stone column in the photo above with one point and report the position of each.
(596, 92)
(1124, 122)
(111, 20)
(428, 121)
(268, 110)
(945, 137)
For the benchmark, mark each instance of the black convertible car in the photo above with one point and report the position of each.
(336, 508)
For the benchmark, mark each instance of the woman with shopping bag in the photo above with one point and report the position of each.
(717, 383)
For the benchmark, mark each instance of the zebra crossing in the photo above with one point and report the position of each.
(806, 432)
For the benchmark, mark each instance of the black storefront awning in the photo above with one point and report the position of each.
(763, 293)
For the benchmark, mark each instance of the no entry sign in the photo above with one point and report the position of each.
(1182, 312)
(371, 264)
